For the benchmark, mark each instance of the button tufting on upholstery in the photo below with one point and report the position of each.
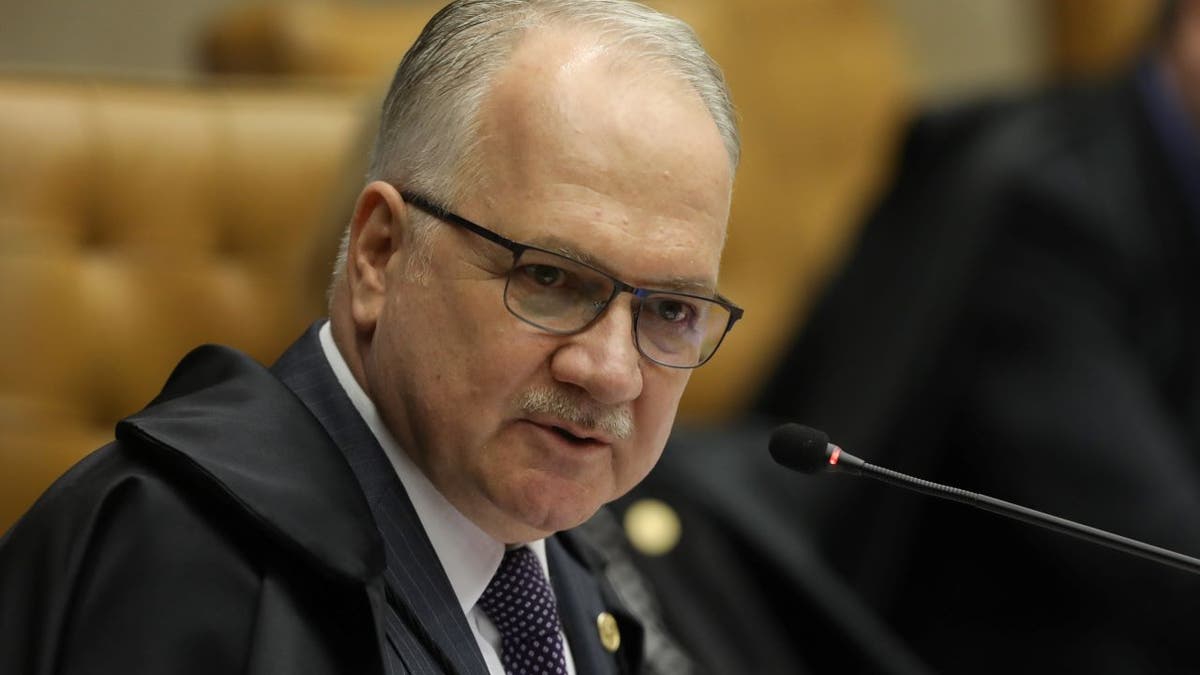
(94, 234)
(136, 222)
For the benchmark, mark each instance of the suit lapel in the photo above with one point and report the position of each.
(581, 600)
(427, 628)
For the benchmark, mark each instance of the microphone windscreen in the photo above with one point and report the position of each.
(799, 448)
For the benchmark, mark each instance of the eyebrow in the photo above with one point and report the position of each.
(678, 284)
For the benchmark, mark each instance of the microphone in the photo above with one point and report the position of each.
(808, 450)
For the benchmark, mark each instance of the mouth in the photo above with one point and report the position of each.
(576, 436)
(570, 436)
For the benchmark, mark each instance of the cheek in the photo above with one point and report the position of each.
(494, 353)
(655, 414)
(662, 390)
(468, 351)
(443, 323)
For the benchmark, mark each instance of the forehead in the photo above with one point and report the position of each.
(590, 155)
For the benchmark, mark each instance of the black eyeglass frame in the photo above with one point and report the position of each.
(517, 248)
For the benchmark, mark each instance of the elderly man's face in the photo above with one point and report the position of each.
(581, 155)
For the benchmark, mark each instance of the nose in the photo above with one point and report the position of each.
(603, 360)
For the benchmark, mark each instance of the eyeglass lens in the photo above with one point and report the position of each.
(561, 295)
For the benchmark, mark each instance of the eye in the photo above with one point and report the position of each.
(544, 275)
(674, 311)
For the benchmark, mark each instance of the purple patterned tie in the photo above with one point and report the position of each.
(520, 602)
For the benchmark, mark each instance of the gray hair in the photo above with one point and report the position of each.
(429, 127)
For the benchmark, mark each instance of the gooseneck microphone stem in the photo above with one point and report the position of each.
(1025, 514)
(808, 450)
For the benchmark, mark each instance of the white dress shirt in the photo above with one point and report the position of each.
(469, 555)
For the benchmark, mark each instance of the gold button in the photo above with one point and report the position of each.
(652, 527)
(610, 635)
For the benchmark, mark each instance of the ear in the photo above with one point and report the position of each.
(377, 232)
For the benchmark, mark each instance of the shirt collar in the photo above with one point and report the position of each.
(469, 555)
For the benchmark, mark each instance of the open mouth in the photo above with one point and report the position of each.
(581, 437)
(570, 436)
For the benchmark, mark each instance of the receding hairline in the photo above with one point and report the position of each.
(684, 60)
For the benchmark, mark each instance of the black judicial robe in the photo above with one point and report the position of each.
(221, 532)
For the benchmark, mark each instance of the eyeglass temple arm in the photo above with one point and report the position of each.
(441, 213)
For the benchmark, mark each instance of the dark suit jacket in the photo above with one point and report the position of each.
(1020, 319)
(246, 521)
(746, 590)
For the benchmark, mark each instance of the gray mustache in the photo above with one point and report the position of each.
(615, 421)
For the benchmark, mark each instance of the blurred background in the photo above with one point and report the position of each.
(178, 171)
(955, 48)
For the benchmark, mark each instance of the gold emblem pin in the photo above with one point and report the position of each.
(610, 635)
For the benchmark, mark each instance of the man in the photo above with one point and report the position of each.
(1034, 271)
(391, 496)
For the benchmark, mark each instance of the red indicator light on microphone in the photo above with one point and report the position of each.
(833, 456)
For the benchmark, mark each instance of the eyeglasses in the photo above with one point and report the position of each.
(563, 296)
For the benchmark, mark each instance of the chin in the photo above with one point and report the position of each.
(551, 506)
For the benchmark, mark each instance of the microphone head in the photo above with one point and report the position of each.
(800, 448)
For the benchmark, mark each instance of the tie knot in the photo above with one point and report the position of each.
(520, 602)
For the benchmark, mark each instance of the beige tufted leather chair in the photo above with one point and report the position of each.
(138, 220)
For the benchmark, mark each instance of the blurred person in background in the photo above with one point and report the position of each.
(1022, 318)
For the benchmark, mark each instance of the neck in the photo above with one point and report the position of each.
(341, 325)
